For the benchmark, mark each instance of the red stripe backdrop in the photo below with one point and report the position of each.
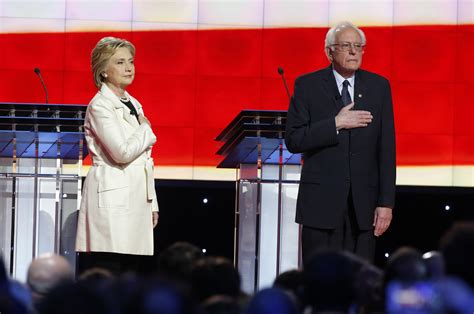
(192, 83)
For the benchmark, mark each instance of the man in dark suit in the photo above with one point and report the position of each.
(341, 119)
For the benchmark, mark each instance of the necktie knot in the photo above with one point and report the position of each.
(345, 83)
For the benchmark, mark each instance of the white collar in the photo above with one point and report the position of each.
(340, 79)
(107, 92)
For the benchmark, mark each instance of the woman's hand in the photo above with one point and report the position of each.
(155, 218)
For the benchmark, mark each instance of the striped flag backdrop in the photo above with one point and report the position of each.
(199, 62)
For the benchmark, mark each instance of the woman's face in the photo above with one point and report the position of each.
(120, 69)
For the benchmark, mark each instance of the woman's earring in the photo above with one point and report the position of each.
(104, 75)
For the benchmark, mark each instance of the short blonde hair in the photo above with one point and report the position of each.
(101, 54)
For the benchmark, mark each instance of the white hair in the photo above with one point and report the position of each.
(331, 34)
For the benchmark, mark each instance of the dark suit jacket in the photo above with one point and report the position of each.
(361, 160)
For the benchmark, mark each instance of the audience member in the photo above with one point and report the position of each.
(456, 296)
(177, 260)
(434, 262)
(406, 265)
(329, 282)
(96, 274)
(78, 298)
(369, 288)
(9, 303)
(155, 296)
(271, 301)
(332, 282)
(457, 246)
(22, 294)
(221, 304)
(46, 272)
(213, 276)
(292, 283)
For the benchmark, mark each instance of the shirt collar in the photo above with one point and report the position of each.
(340, 79)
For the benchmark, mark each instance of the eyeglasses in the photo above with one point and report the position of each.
(348, 46)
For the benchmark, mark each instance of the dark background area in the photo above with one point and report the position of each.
(185, 217)
(420, 216)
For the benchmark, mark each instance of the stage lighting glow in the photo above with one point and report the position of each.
(204, 200)
(447, 207)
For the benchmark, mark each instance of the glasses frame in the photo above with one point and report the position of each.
(348, 46)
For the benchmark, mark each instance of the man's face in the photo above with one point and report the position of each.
(346, 58)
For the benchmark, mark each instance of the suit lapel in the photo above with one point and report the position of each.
(119, 106)
(330, 87)
(127, 116)
(135, 103)
(360, 92)
(361, 98)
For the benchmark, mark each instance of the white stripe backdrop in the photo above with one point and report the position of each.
(18, 16)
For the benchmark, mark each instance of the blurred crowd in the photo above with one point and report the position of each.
(188, 282)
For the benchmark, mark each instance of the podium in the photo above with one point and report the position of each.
(267, 239)
(41, 151)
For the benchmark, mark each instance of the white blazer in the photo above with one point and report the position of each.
(119, 191)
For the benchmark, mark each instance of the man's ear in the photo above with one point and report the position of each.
(328, 53)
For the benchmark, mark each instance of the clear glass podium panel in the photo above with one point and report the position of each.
(268, 238)
(24, 227)
(289, 229)
(290, 250)
(247, 218)
(268, 235)
(6, 197)
(41, 216)
(41, 151)
(69, 198)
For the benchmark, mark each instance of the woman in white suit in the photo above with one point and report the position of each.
(119, 208)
